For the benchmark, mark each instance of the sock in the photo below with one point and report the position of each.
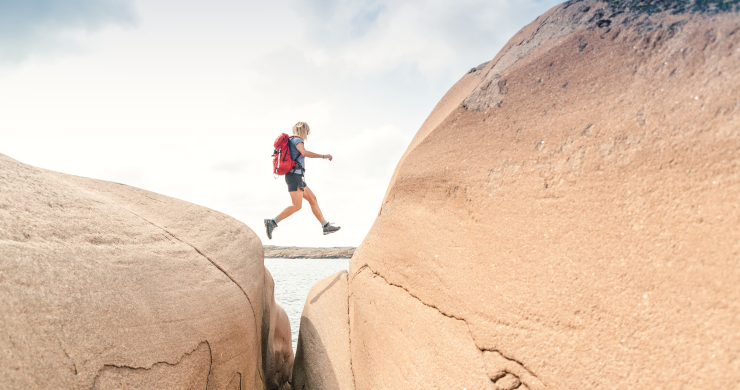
(276, 220)
(323, 223)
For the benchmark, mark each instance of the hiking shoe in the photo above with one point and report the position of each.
(270, 225)
(330, 228)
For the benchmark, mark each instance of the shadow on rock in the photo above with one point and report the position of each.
(316, 372)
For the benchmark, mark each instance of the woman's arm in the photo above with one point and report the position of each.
(306, 153)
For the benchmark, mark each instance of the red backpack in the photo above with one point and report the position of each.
(282, 162)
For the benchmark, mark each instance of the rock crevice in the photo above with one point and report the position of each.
(128, 376)
(323, 357)
(205, 257)
(497, 364)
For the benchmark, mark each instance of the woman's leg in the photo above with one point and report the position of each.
(311, 199)
(297, 198)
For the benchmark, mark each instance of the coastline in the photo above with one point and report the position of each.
(294, 252)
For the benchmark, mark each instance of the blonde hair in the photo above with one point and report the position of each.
(302, 130)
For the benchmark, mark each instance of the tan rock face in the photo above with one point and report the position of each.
(108, 286)
(568, 216)
(322, 359)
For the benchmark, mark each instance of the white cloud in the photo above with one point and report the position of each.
(434, 36)
(189, 103)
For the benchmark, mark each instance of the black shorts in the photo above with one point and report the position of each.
(295, 180)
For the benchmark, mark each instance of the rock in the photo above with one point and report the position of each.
(192, 370)
(507, 382)
(498, 367)
(107, 286)
(323, 356)
(567, 216)
(407, 344)
(293, 252)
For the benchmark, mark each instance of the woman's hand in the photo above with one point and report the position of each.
(328, 156)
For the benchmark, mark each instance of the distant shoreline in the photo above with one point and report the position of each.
(297, 252)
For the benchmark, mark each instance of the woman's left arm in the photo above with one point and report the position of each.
(308, 154)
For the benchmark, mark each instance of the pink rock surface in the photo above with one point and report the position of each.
(568, 216)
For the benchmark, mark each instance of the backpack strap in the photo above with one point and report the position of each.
(295, 160)
(296, 148)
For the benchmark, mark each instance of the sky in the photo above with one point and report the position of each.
(186, 97)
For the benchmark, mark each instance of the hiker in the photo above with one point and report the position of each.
(297, 187)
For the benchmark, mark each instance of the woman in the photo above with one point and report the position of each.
(297, 187)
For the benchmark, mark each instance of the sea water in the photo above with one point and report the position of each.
(293, 280)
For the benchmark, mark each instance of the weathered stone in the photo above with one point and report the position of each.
(407, 344)
(107, 286)
(507, 382)
(188, 373)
